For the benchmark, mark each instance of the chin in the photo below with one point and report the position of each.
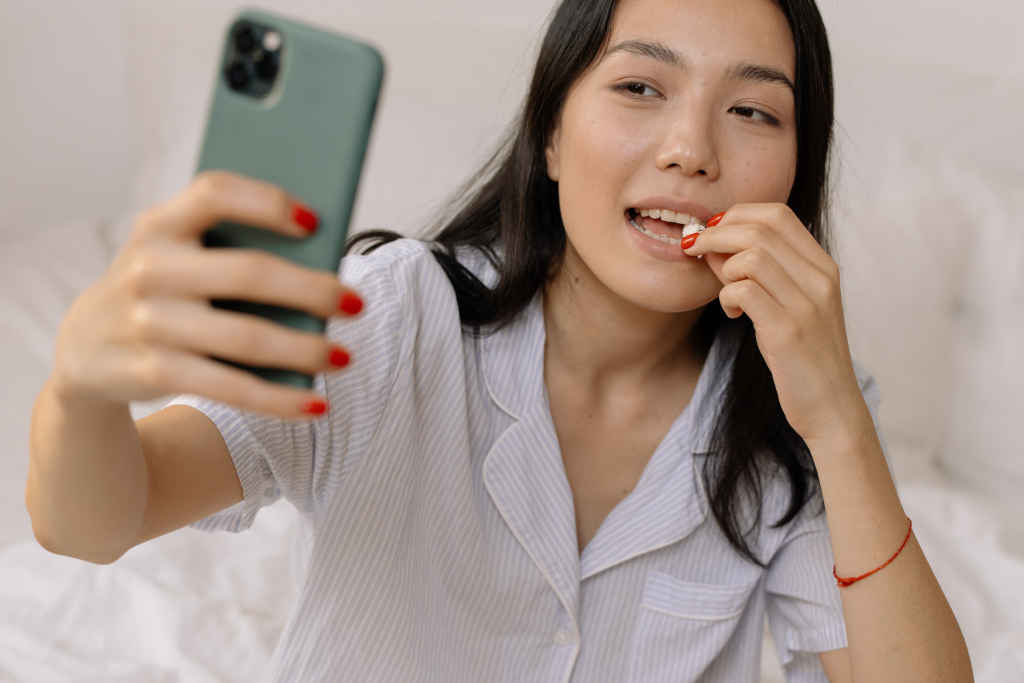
(656, 285)
(673, 297)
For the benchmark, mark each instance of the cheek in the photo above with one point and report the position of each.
(601, 149)
(580, 172)
(601, 141)
(598, 160)
(762, 175)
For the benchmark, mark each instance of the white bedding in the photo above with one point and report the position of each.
(187, 607)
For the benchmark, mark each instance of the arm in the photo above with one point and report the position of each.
(100, 483)
(899, 625)
(86, 487)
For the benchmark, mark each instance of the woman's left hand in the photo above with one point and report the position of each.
(773, 270)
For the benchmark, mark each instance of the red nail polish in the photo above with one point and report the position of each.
(315, 407)
(350, 303)
(715, 220)
(339, 357)
(305, 217)
(688, 241)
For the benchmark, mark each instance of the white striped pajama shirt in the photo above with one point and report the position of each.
(441, 534)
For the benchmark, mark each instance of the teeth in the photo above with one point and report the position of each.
(661, 238)
(691, 227)
(669, 216)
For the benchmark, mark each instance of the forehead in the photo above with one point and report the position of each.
(710, 31)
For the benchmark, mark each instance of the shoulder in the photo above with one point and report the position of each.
(402, 274)
(408, 259)
(397, 257)
(406, 282)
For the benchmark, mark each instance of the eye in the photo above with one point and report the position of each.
(750, 113)
(636, 89)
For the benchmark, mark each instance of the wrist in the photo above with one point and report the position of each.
(68, 396)
(850, 429)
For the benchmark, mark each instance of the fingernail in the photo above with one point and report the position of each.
(715, 220)
(339, 357)
(305, 217)
(315, 407)
(688, 241)
(350, 303)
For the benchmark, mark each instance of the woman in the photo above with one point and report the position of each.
(552, 454)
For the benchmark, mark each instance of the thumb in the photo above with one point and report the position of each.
(716, 262)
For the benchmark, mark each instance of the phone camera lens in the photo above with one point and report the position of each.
(245, 39)
(238, 75)
(266, 65)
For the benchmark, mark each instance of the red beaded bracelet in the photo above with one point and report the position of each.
(846, 582)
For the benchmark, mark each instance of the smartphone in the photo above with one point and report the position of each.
(294, 105)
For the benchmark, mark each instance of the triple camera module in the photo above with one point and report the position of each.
(253, 59)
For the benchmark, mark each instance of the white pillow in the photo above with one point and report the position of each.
(896, 230)
(932, 258)
(981, 440)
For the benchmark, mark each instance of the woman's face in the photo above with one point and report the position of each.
(681, 111)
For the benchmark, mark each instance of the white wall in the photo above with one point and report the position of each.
(109, 99)
(93, 90)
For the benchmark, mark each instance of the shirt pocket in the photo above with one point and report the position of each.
(682, 626)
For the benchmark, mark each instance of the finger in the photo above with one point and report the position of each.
(737, 238)
(747, 296)
(258, 275)
(239, 337)
(247, 274)
(759, 265)
(178, 372)
(215, 196)
(785, 223)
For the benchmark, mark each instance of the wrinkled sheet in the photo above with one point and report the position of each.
(189, 606)
(192, 606)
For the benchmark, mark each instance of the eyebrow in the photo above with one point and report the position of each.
(740, 71)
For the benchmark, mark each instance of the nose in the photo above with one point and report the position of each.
(688, 144)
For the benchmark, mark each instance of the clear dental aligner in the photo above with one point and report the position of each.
(689, 223)
(695, 226)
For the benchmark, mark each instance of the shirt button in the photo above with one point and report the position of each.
(563, 637)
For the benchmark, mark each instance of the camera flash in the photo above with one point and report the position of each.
(271, 41)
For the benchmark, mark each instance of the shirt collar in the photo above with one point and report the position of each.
(525, 475)
(513, 365)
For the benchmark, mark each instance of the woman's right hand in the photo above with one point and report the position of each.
(146, 327)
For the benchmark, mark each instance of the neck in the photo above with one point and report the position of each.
(603, 342)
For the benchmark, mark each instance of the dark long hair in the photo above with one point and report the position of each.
(512, 204)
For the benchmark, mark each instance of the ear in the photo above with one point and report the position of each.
(551, 154)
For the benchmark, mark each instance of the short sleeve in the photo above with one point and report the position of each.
(268, 454)
(804, 610)
(306, 461)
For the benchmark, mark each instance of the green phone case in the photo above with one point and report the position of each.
(305, 130)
